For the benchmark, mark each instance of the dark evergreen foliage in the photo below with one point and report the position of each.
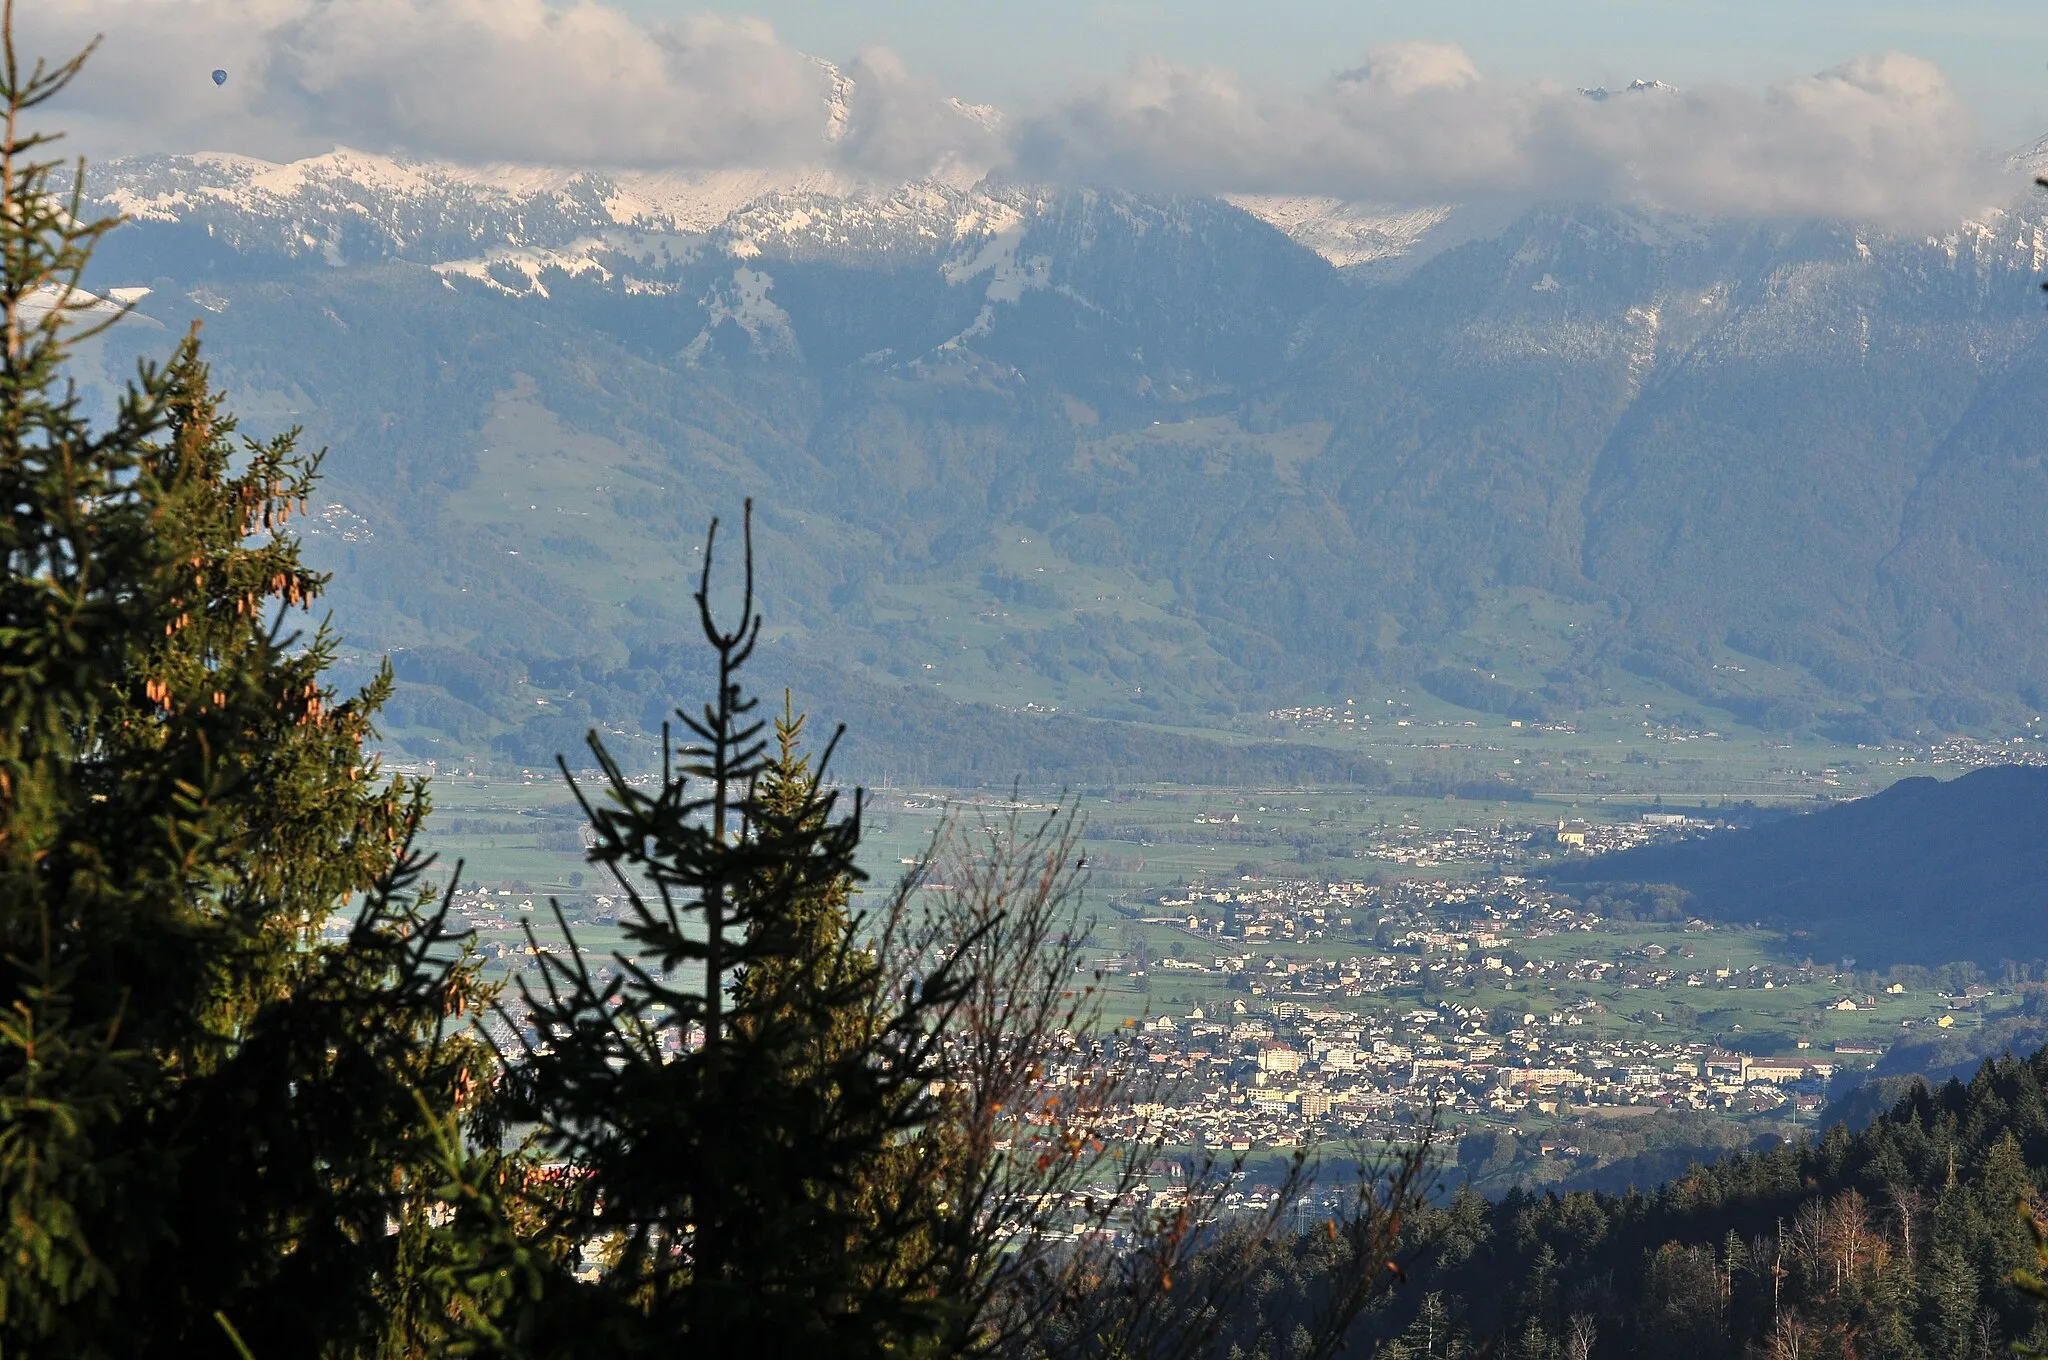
(211, 1116)
(1899, 1241)
(727, 1099)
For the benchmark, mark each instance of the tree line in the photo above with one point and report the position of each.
(1909, 1240)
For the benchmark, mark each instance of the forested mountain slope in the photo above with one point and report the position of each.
(1131, 457)
(1894, 1242)
(1964, 862)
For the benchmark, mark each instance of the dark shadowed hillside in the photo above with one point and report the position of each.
(1925, 870)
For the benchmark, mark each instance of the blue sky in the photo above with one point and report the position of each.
(1995, 51)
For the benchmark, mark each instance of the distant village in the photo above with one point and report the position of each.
(1278, 1008)
(1331, 1041)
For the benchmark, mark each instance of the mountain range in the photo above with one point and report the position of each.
(1164, 461)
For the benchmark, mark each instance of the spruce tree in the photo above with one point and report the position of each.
(729, 1099)
(805, 979)
(210, 1116)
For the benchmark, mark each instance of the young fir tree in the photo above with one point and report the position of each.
(209, 1117)
(807, 980)
(734, 1097)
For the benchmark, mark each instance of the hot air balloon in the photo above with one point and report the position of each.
(220, 77)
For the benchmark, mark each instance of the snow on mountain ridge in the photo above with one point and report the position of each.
(743, 300)
(702, 202)
(408, 203)
(1344, 233)
(409, 207)
(406, 206)
(1600, 93)
(578, 259)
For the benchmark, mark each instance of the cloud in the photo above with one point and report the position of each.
(1881, 138)
(899, 124)
(476, 80)
(519, 79)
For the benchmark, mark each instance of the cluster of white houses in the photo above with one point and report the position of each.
(1242, 1080)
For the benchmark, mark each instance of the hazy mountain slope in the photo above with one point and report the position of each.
(1967, 580)
(1965, 860)
(1128, 456)
(1756, 487)
(1721, 432)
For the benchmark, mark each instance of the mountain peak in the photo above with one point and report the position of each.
(1346, 234)
(1600, 93)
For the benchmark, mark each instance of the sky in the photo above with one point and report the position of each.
(1878, 112)
(1994, 51)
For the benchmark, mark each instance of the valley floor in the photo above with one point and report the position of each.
(1323, 964)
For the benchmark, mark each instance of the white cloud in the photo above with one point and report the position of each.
(1881, 138)
(578, 84)
(1402, 69)
(519, 79)
(901, 125)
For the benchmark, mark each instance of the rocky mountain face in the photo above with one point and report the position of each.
(1173, 459)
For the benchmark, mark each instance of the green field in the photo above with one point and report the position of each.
(515, 832)
(514, 836)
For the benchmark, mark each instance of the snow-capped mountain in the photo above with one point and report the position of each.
(1600, 93)
(386, 205)
(1345, 234)
(507, 221)
(350, 205)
